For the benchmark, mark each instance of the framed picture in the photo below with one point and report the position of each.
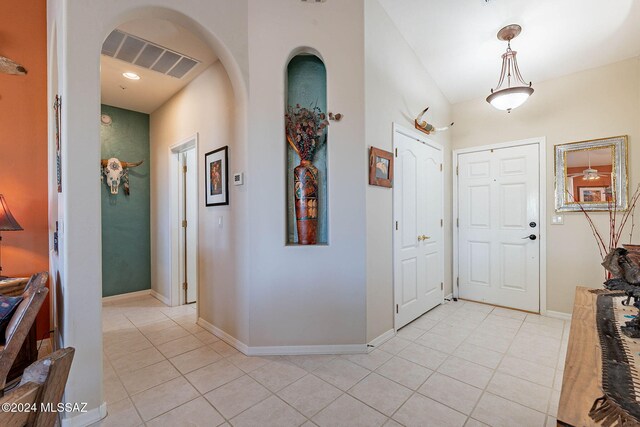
(216, 181)
(380, 167)
(592, 194)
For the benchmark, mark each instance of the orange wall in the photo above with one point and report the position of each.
(23, 141)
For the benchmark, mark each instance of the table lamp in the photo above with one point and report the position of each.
(7, 223)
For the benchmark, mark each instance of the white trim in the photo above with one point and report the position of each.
(558, 315)
(448, 297)
(420, 137)
(86, 418)
(291, 350)
(381, 339)
(232, 341)
(542, 218)
(128, 295)
(160, 297)
(297, 350)
(186, 144)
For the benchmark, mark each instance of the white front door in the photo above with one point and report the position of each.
(499, 224)
(418, 232)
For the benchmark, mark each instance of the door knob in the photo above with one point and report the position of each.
(531, 237)
(419, 238)
(425, 237)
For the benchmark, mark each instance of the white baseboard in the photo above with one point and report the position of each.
(232, 341)
(160, 297)
(381, 339)
(448, 297)
(297, 350)
(86, 418)
(558, 315)
(128, 295)
(292, 350)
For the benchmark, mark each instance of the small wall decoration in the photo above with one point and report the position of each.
(216, 181)
(594, 194)
(116, 170)
(425, 127)
(57, 107)
(380, 167)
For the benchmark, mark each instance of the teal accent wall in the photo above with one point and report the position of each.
(307, 86)
(126, 240)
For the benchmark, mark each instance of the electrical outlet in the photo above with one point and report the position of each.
(557, 220)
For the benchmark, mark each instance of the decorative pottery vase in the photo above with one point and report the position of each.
(634, 253)
(305, 181)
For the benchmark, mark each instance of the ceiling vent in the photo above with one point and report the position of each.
(142, 53)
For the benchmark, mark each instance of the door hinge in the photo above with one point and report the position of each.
(442, 223)
(396, 225)
(457, 169)
(458, 281)
(184, 223)
(184, 168)
(396, 308)
(396, 152)
(441, 286)
(440, 167)
(184, 286)
(458, 222)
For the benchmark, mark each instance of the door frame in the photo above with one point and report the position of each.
(542, 218)
(175, 180)
(422, 139)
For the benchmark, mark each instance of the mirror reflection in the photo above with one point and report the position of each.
(589, 175)
(592, 175)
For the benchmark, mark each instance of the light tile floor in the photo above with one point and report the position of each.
(461, 364)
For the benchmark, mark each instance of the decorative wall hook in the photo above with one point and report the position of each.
(335, 117)
(428, 128)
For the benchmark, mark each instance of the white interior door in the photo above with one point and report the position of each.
(418, 238)
(499, 223)
(189, 220)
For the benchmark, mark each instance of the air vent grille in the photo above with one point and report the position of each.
(145, 54)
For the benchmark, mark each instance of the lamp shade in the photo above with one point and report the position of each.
(7, 221)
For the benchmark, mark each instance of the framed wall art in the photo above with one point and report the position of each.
(216, 181)
(380, 168)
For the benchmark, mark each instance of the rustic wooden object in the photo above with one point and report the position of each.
(374, 155)
(28, 354)
(42, 383)
(582, 380)
(21, 323)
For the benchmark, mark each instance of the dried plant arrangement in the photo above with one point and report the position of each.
(617, 223)
(305, 128)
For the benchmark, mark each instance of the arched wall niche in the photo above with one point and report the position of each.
(306, 85)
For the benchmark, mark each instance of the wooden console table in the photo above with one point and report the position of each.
(582, 380)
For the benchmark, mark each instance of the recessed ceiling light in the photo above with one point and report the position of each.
(131, 76)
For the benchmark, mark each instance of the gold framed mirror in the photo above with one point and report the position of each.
(592, 175)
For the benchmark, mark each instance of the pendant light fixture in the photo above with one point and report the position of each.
(512, 91)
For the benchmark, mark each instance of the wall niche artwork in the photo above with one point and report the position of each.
(306, 139)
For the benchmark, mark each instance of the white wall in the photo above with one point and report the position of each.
(207, 107)
(596, 103)
(82, 26)
(314, 294)
(397, 88)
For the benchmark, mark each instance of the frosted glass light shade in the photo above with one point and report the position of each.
(508, 99)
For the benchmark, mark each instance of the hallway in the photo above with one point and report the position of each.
(461, 364)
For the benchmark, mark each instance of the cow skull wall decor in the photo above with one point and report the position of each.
(428, 128)
(115, 171)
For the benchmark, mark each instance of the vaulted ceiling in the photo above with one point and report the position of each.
(456, 39)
